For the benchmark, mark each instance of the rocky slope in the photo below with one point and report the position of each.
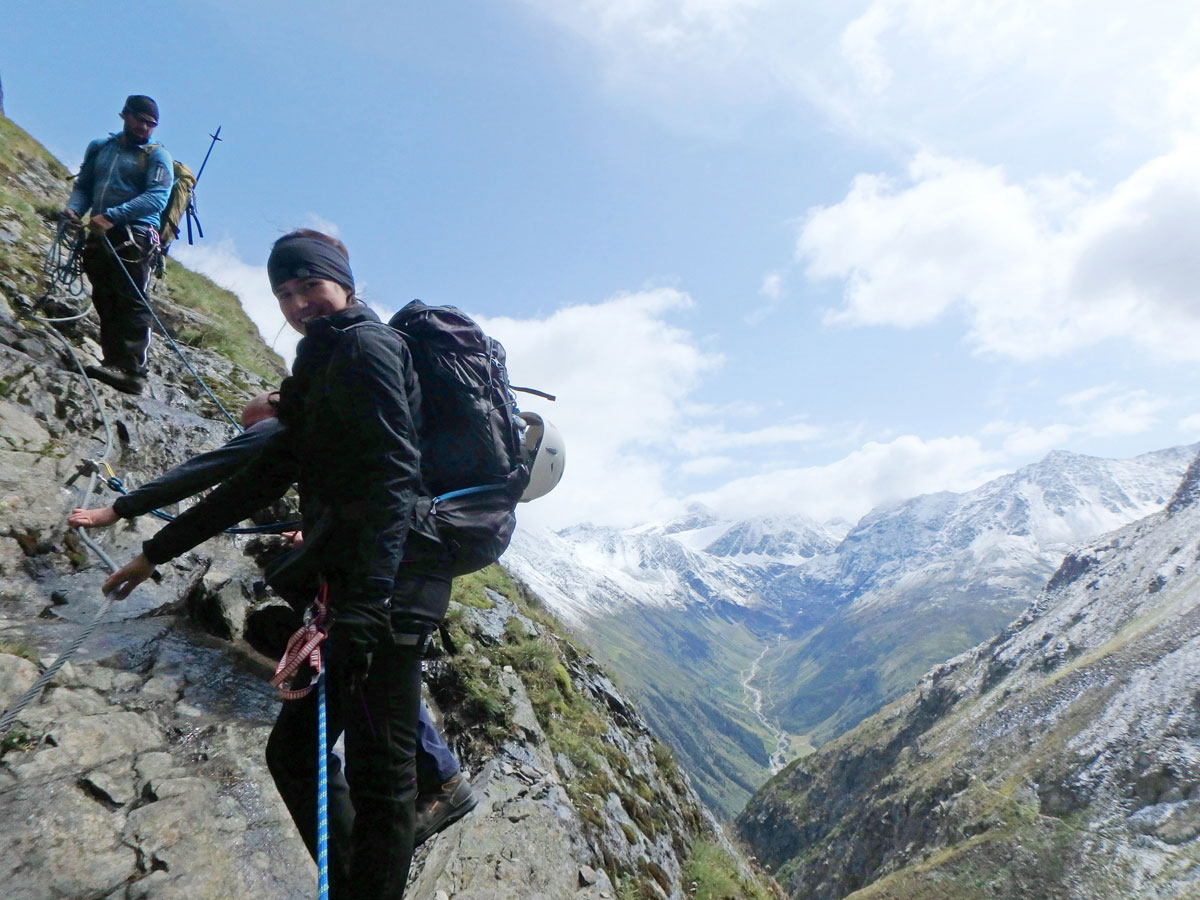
(1059, 760)
(139, 775)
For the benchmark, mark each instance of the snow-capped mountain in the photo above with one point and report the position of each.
(776, 541)
(1006, 534)
(1018, 526)
(832, 622)
(587, 571)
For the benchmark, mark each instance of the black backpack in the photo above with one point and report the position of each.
(471, 458)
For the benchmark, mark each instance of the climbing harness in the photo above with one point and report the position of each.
(305, 646)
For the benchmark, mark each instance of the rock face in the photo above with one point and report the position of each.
(134, 781)
(138, 774)
(1059, 760)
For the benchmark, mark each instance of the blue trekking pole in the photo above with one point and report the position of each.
(322, 795)
(191, 207)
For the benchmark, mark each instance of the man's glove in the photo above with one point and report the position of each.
(358, 628)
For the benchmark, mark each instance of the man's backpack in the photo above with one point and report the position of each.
(180, 203)
(471, 457)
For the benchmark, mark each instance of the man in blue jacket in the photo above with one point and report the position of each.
(125, 181)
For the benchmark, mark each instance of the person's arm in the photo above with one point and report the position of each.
(153, 199)
(81, 193)
(264, 479)
(371, 386)
(199, 472)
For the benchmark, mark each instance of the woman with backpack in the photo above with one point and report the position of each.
(352, 414)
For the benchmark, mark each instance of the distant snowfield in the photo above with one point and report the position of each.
(1017, 523)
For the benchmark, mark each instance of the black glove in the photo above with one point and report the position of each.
(357, 629)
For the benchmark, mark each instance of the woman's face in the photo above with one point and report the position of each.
(301, 299)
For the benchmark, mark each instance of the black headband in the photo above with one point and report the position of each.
(307, 257)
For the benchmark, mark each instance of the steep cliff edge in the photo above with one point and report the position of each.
(139, 774)
(1059, 760)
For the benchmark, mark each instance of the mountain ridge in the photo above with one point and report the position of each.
(957, 567)
(1059, 760)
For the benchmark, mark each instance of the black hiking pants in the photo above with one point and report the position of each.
(372, 818)
(125, 321)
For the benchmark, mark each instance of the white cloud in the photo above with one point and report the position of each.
(714, 438)
(1026, 441)
(1022, 441)
(772, 286)
(1098, 412)
(771, 289)
(914, 70)
(861, 48)
(623, 376)
(1189, 426)
(707, 465)
(1039, 268)
(850, 487)
(1130, 412)
(320, 223)
(1087, 395)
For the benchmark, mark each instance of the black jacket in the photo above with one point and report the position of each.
(200, 472)
(351, 412)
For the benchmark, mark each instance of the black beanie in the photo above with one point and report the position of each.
(140, 104)
(307, 257)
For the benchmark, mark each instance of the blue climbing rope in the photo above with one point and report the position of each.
(322, 794)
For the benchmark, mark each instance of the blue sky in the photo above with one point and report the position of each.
(779, 258)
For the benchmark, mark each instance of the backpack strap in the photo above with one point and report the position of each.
(144, 157)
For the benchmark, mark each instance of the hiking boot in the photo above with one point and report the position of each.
(114, 376)
(440, 809)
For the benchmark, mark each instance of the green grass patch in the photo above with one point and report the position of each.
(234, 336)
(471, 590)
(16, 740)
(710, 873)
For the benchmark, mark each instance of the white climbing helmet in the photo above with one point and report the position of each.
(545, 454)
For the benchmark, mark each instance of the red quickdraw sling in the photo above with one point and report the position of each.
(304, 646)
